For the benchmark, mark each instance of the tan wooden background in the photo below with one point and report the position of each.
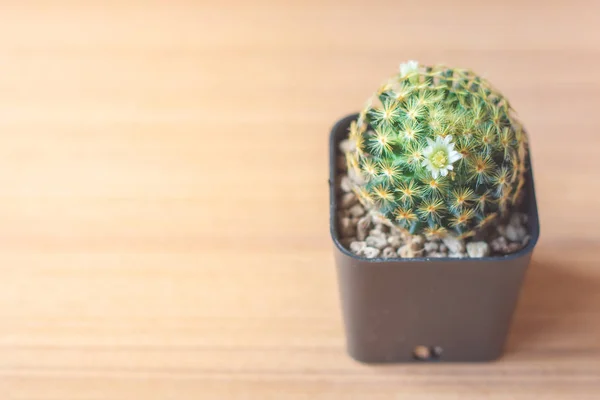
(163, 196)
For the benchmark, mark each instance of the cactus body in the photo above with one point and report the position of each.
(438, 150)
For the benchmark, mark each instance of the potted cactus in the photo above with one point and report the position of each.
(433, 217)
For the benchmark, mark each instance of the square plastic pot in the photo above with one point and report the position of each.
(453, 309)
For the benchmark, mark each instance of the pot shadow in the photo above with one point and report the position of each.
(550, 297)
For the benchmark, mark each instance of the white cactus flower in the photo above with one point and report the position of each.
(408, 67)
(440, 155)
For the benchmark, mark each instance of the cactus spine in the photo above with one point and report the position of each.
(438, 150)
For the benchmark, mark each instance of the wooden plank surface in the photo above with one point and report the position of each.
(163, 196)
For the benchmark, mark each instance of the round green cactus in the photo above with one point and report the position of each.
(437, 150)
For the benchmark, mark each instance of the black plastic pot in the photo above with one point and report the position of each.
(455, 309)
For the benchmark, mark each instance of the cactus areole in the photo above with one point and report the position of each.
(438, 150)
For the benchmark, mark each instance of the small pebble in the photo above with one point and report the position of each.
(501, 229)
(454, 244)
(417, 242)
(357, 210)
(376, 241)
(478, 249)
(515, 233)
(395, 241)
(356, 177)
(357, 247)
(342, 214)
(348, 200)
(422, 353)
(377, 219)
(346, 184)
(346, 228)
(346, 145)
(513, 247)
(388, 252)
(431, 247)
(436, 254)
(499, 244)
(362, 227)
(405, 252)
(370, 252)
(376, 232)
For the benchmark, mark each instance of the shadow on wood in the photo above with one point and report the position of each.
(554, 300)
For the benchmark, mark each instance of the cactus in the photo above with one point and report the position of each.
(437, 150)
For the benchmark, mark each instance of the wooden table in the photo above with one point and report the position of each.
(163, 195)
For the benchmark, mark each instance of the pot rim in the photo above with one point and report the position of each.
(533, 223)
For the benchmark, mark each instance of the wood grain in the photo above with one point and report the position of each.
(163, 196)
